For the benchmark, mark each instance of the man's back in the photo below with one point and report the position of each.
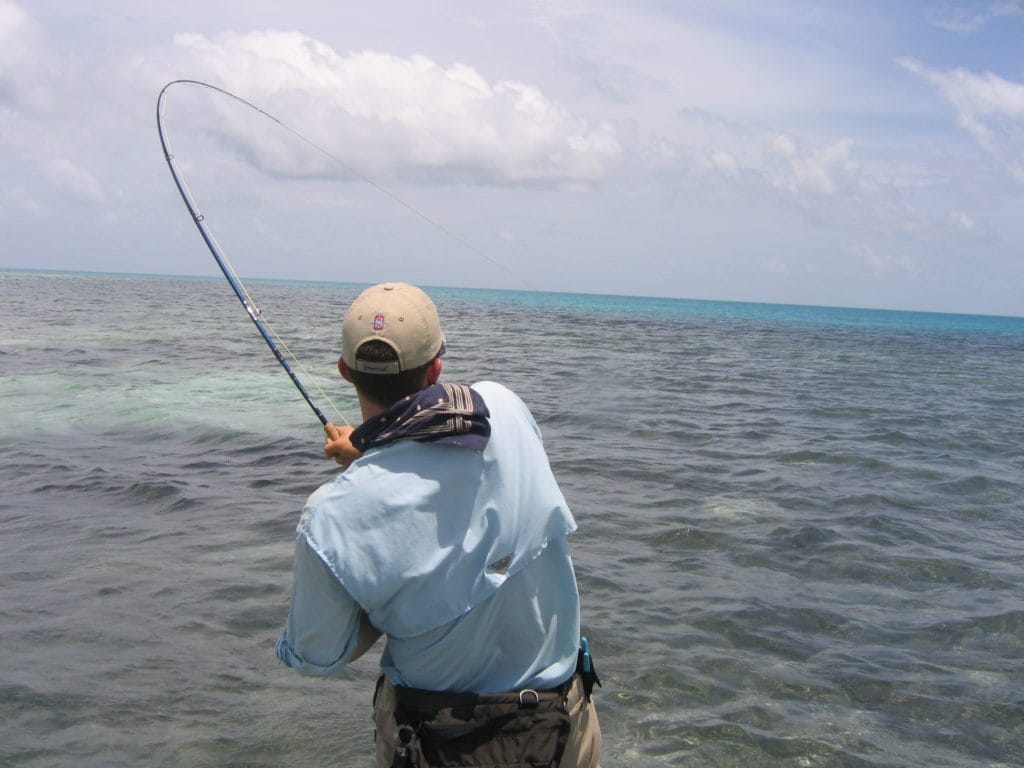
(459, 557)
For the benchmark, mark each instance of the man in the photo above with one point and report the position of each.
(446, 533)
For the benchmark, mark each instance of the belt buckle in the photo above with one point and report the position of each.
(529, 698)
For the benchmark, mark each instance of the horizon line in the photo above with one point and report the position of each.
(214, 276)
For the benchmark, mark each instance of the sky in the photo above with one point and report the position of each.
(853, 153)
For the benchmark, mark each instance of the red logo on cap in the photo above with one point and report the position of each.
(378, 322)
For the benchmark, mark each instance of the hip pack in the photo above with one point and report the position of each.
(523, 729)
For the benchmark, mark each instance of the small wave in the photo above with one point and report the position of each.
(810, 537)
(1008, 624)
(803, 456)
(150, 491)
(251, 621)
(975, 484)
(236, 592)
(947, 569)
(892, 437)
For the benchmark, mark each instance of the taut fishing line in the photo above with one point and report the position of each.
(273, 340)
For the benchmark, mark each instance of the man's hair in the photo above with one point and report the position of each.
(385, 388)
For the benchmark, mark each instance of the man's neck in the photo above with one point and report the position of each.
(370, 408)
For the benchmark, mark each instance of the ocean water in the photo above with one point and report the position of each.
(801, 529)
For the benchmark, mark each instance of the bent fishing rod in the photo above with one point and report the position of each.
(251, 308)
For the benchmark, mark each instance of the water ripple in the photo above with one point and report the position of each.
(800, 531)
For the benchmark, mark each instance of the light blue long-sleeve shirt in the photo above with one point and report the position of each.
(460, 558)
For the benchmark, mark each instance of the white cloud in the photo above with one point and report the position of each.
(40, 97)
(74, 179)
(962, 221)
(775, 266)
(25, 67)
(881, 260)
(968, 18)
(403, 115)
(750, 159)
(725, 163)
(990, 108)
(19, 200)
(818, 170)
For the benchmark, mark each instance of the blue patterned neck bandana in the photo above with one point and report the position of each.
(450, 414)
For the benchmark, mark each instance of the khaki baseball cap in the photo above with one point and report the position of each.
(399, 314)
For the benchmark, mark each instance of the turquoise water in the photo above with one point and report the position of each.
(800, 528)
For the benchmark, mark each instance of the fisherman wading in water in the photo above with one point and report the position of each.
(447, 533)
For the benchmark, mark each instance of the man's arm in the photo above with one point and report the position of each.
(368, 635)
(326, 628)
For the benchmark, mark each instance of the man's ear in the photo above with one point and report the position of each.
(434, 371)
(343, 370)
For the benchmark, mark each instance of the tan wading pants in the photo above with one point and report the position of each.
(582, 751)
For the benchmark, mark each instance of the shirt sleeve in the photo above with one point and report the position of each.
(323, 621)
